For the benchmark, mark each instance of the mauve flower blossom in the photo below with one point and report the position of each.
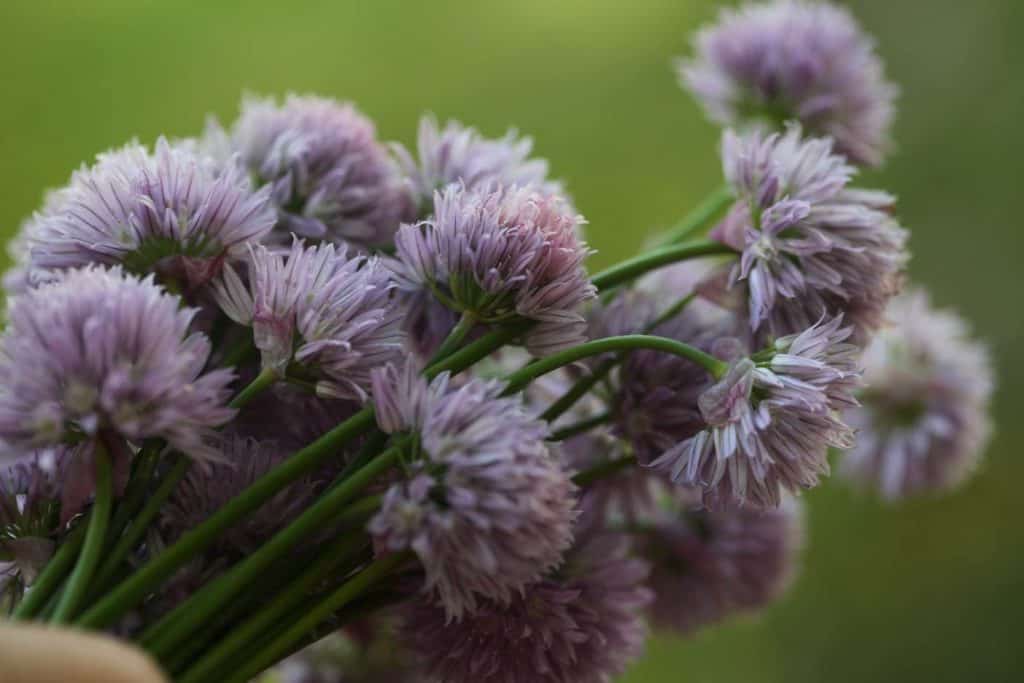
(318, 312)
(772, 62)
(328, 175)
(458, 154)
(924, 420)
(486, 507)
(810, 246)
(706, 566)
(502, 255)
(99, 351)
(172, 211)
(770, 421)
(582, 624)
(242, 460)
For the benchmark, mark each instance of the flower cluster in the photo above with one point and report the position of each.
(284, 384)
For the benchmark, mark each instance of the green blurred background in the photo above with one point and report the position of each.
(927, 591)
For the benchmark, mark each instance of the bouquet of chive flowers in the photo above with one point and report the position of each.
(281, 398)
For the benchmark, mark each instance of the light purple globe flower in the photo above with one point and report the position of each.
(772, 62)
(810, 246)
(486, 508)
(329, 176)
(458, 154)
(317, 314)
(924, 420)
(99, 352)
(503, 255)
(706, 566)
(582, 624)
(172, 212)
(770, 421)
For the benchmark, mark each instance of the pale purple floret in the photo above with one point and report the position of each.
(582, 624)
(770, 421)
(707, 566)
(99, 351)
(458, 154)
(924, 420)
(502, 255)
(172, 211)
(318, 313)
(772, 62)
(811, 246)
(329, 176)
(486, 507)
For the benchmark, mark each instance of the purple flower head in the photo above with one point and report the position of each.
(507, 254)
(768, 423)
(242, 461)
(706, 566)
(461, 155)
(582, 624)
(328, 175)
(810, 246)
(772, 62)
(171, 211)
(924, 419)
(102, 351)
(318, 314)
(485, 506)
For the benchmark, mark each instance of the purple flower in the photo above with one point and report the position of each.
(328, 175)
(485, 506)
(502, 255)
(241, 461)
(810, 245)
(582, 624)
(706, 566)
(460, 155)
(318, 314)
(924, 419)
(772, 62)
(770, 421)
(101, 351)
(172, 212)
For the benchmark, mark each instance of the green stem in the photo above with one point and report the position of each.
(519, 379)
(455, 337)
(630, 269)
(134, 589)
(78, 582)
(349, 591)
(54, 572)
(702, 214)
(605, 469)
(263, 381)
(580, 427)
(162, 637)
(137, 528)
(477, 350)
(283, 602)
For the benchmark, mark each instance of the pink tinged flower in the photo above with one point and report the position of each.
(707, 566)
(770, 421)
(810, 245)
(329, 176)
(459, 155)
(102, 351)
(318, 312)
(502, 255)
(767, 63)
(485, 507)
(924, 421)
(582, 624)
(173, 212)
